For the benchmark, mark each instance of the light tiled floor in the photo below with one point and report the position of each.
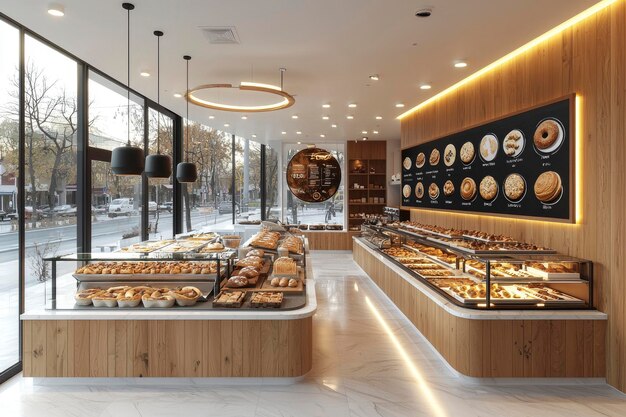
(368, 361)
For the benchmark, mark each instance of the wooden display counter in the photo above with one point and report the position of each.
(496, 343)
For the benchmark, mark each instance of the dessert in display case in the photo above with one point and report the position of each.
(479, 270)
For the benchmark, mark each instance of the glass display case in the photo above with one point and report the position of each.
(482, 271)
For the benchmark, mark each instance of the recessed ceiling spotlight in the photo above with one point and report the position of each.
(379, 117)
(56, 10)
(349, 117)
(460, 64)
(144, 73)
(211, 117)
(244, 117)
(374, 77)
(326, 106)
(322, 135)
(364, 132)
(295, 116)
(178, 95)
(254, 136)
(425, 87)
(364, 137)
(283, 133)
(426, 12)
(352, 105)
(299, 143)
(399, 105)
(333, 125)
(298, 133)
(325, 117)
(375, 132)
(226, 125)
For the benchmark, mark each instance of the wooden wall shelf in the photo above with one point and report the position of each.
(363, 158)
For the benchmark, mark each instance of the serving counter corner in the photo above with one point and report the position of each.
(493, 343)
(170, 343)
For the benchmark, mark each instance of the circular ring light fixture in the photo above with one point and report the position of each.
(287, 99)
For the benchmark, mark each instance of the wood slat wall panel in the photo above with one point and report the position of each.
(588, 59)
(170, 348)
(495, 348)
(330, 240)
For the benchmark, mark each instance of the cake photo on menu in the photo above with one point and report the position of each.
(449, 155)
(406, 191)
(467, 153)
(548, 136)
(419, 190)
(468, 189)
(488, 147)
(433, 191)
(434, 157)
(513, 143)
(406, 163)
(514, 187)
(548, 187)
(420, 160)
(488, 188)
(448, 188)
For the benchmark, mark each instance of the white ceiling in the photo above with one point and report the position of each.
(329, 48)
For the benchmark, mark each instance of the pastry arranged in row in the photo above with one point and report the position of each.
(126, 296)
(147, 246)
(265, 240)
(293, 244)
(149, 268)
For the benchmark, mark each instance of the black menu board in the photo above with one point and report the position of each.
(520, 165)
(313, 175)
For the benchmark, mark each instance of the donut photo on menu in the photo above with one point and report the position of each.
(449, 155)
(548, 187)
(513, 143)
(419, 190)
(420, 160)
(548, 136)
(488, 188)
(467, 153)
(434, 157)
(448, 188)
(514, 188)
(433, 191)
(488, 147)
(406, 163)
(406, 191)
(468, 189)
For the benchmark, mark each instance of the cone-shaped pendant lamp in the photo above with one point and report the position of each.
(186, 172)
(127, 160)
(157, 165)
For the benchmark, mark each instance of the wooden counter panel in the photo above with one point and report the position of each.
(330, 240)
(495, 348)
(167, 348)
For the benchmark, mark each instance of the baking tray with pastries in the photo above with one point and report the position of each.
(273, 283)
(213, 247)
(499, 293)
(147, 246)
(265, 240)
(131, 296)
(246, 277)
(229, 299)
(400, 252)
(292, 244)
(265, 299)
(554, 270)
(146, 270)
(432, 252)
(487, 237)
(200, 237)
(477, 247)
(182, 246)
(498, 270)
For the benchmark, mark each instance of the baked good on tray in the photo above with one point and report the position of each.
(254, 261)
(285, 266)
(248, 272)
(237, 281)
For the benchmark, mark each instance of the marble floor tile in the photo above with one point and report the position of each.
(358, 371)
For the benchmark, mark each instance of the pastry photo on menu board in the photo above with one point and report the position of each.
(548, 136)
(467, 153)
(468, 189)
(448, 188)
(513, 143)
(419, 190)
(449, 155)
(406, 191)
(488, 188)
(548, 187)
(420, 160)
(406, 163)
(488, 147)
(434, 157)
(433, 191)
(514, 188)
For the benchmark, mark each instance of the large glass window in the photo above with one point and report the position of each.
(247, 180)
(296, 211)
(272, 189)
(160, 191)
(9, 149)
(208, 201)
(116, 201)
(51, 108)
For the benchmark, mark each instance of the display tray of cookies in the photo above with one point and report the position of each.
(553, 271)
(229, 299)
(264, 299)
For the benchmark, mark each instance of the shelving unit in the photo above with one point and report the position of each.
(367, 168)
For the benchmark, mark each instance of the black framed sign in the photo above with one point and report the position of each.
(520, 165)
(313, 175)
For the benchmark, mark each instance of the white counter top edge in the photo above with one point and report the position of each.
(467, 313)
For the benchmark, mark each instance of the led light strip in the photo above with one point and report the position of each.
(287, 100)
(567, 24)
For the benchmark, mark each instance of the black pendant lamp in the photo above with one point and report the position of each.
(157, 165)
(186, 172)
(128, 159)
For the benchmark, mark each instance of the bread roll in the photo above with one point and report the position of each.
(274, 282)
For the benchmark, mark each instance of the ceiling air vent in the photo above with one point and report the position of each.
(221, 34)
